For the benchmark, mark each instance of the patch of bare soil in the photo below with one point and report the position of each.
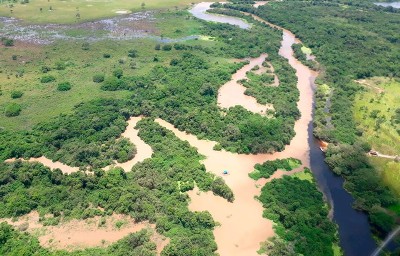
(80, 234)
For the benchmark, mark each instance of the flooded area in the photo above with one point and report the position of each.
(233, 93)
(123, 27)
(81, 234)
(130, 26)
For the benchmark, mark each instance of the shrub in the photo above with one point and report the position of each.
(157, 47)
(14, 57)
(60, 65)
(47, 79)
(98, 78)
(106, 55)
(174, 62)
(118, 73)
(7, 42)
(111, 84)
(132, 65)
(167, 47)
(132, 53)
(16, 94)
(45, 69)
(65, 86)
(85, 46)
(12, 109)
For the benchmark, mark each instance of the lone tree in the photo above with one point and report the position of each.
(143, 5)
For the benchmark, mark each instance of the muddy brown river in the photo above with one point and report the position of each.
(242, 227)
(354, 232)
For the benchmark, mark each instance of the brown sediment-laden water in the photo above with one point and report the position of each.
(80, 234)
(242, 227)
(233, 93)
(354, 232)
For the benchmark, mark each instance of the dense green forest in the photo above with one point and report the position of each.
(73, 141)
(184, 93)
(152, 191)
(351, 40)
(300, 214)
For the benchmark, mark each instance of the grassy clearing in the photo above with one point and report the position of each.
(268, 168)
(337, 251)
(177, 24)
(390, 172)
(374, 112)
(306, 50)
(41, 101)
(54, 11)
(304, 175)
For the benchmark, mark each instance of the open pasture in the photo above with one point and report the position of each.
(71, 11)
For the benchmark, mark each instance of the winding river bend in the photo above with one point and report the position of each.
(354, 232)
(242, 226)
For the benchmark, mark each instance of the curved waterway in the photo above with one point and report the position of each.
(233, 93)
(354, 232)
(200, 11)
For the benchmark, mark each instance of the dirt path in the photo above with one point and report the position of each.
(377, 154)
(367, 84)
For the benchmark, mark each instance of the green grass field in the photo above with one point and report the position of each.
(177, 24)
(374, 110)
(389, 171)
(304, 175)
(56, 11)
